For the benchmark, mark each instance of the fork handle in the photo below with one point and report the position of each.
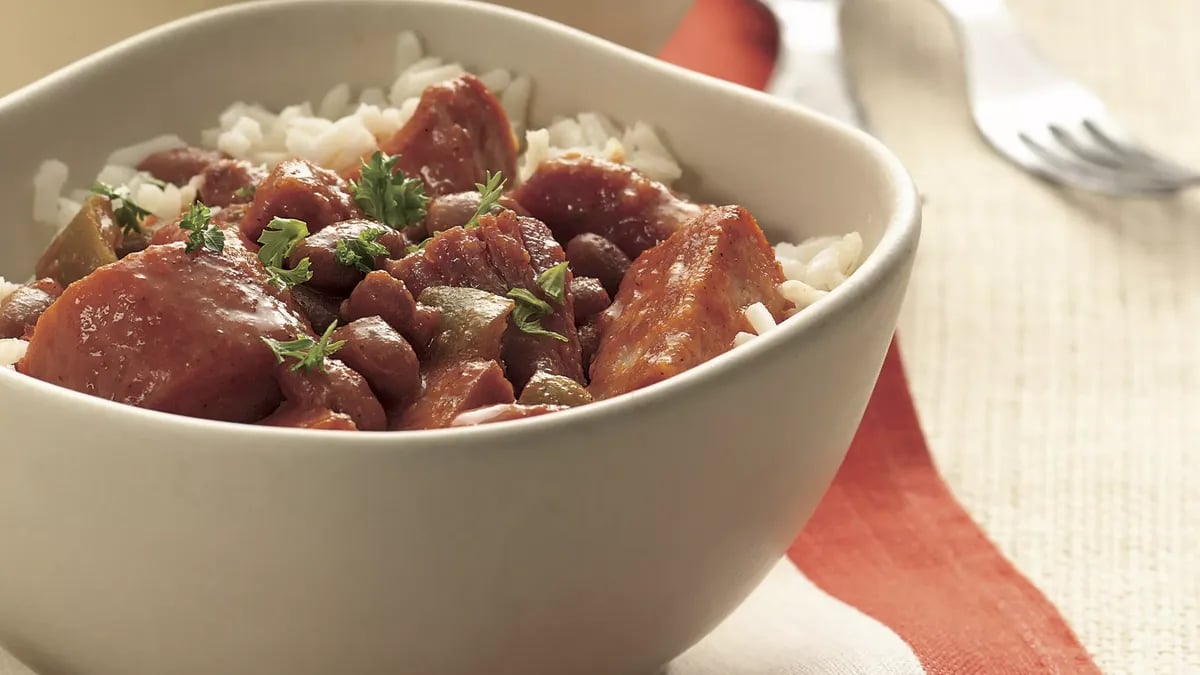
(994, 46)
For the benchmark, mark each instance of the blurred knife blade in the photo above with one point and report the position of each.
(810, 68)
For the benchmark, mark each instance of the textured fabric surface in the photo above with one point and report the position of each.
(1051, 338)
(890, 540)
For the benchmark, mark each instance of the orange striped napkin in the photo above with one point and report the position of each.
(891, 575)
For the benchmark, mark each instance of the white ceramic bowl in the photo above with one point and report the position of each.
(603, 540)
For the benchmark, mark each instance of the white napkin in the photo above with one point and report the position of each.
(788, 626)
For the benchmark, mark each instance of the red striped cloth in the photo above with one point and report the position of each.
(889, 539)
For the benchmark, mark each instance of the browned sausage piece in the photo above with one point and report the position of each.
(310, 418)
(335, 387)
(681, 303)
(590, 298)
(329, 275)
(179, 165)
(230, 181)
(23, 307)
(504, 252)
(169, 330)
(503, 412)
(384, 358)
(594, 256)
(299, 189)
(454, 388)
(382, 295)
(458, 132)
(581, 194)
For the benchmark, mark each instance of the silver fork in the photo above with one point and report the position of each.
(1042, 120)
(809, 68)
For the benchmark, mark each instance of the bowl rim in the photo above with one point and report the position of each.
(896, 245)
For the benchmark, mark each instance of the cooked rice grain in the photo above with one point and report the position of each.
(11, 351)
(760, 318)
(6, 288)
(595, 135)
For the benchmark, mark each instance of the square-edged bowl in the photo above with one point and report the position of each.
(602, 540)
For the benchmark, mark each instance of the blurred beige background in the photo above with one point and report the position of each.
(28, 48)
(1052, 338)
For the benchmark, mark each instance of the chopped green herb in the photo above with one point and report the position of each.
(285, 278)
(309, 353)
(387, 195)
(126, 212)
(245, 192)
(202, 233)
(554, 281)
(529, 311)
(278, 239)
(525, 297)
(489, 194)
(162, 184)
(361, 252)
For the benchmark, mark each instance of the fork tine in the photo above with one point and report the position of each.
(1106, 156)
(1096, 149)
(1067, 169)
(1113, 137)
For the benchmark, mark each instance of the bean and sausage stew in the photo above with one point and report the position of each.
(421, 290)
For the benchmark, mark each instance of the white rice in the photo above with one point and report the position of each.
(595, 135)
(760, 318)
(817, 266)
(340, 128)
(813, 268)
(6, 288)
(11, 351)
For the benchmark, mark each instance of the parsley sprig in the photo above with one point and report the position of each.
(309, 353)
(389, 196)
(360, 252)
(489, 200)
(489, 196)
(530, 309)
(285, 278)
(126, 212)
(554, 282)
(202, 233)
(278, 239)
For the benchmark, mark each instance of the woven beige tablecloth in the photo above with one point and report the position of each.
(1053, 339)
